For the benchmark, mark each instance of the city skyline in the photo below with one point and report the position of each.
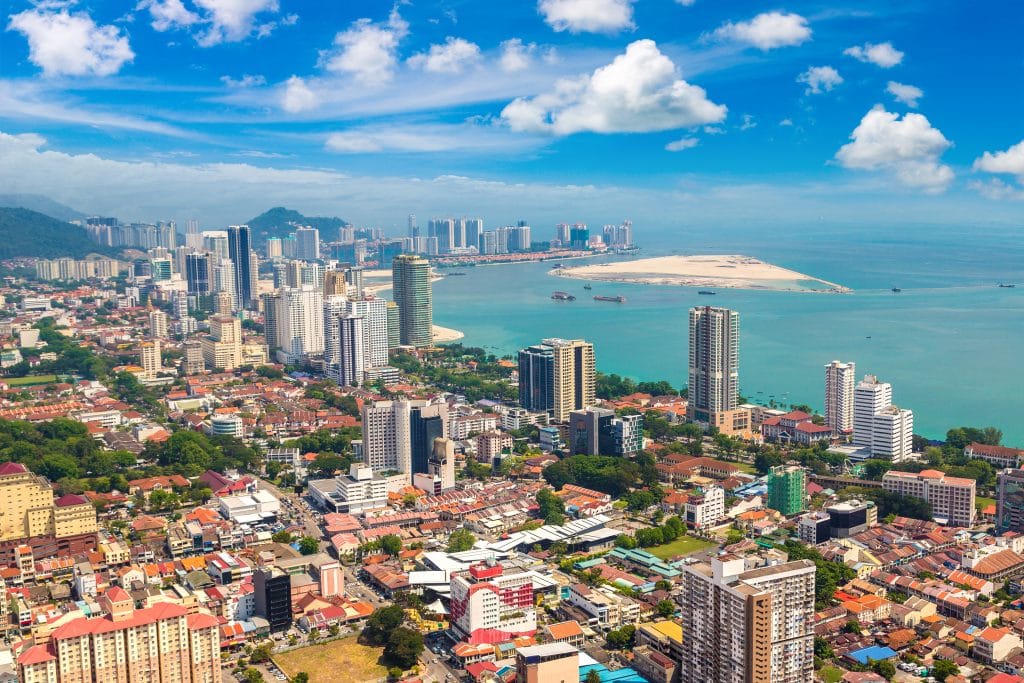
(801, 111)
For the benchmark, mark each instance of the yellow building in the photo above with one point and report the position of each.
(222, 348)
(574, 384)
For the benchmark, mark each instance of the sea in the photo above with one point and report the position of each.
(951, 342)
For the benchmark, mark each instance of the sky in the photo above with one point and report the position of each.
(669, 112)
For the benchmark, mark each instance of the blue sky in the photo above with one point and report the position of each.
(558, 109)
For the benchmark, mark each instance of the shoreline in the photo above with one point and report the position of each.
(446, 335)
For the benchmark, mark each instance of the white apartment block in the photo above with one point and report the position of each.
(840, 379)
(869, 397)
(387, 444)
(707, 509)
(461, 426)
(300, 321)
(952, 498)
(375, 315)
(892, 434)
(489, 605)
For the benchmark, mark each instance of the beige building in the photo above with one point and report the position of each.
(222, 348)
(30, 516)
(951, 498)
(550, 663)
(747, 626)
(574, 385)
(162, 644)
(149, 358)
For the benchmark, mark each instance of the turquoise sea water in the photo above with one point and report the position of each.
(951, 343)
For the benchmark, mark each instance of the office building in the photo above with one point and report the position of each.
(870, 397)
(149, 358)
(427, 423)
(714, 376)
(198, 273)
(222, 348)
(840, 520)
(412, 293)
(224, 282)
(840, 379)
(386, 437)
(192, 358)
(441, 464)
(747, 626)
(360, 490)
(892, 434)
(579, 237)
(537, 378)
(787, 489)
(307, 244)
(241, 255)
(952, 498)
(557, 376)
(164, 642)
(374, 313)
(33, 517)
(300, 322)
(157, 324)
(161, 269)
(548, 663)
(599, 431)
(1010, 501)
(492, 605)
(335, 283)
(272, 589)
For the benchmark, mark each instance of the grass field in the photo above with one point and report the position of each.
(339, 661)
(831, 674)
(30, 380)
(981, 502)
(683, 545)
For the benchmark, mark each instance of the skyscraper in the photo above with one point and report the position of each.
(411, 290)
(572, 376)
(386, 445)
(747, 626)
(426, 423)
(149, 358)
(197, 273)
(334, 306)
(840, 379)
(885, 429)
(1010, 501)
(375, 327)
(225, 282)
(307, 243)
(352, 352)
(240, 253)
(300, 322)
(869, 397)
(222, 348)
(714, 360)
(537, 378)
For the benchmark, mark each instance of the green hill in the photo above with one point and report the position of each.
(44, 205)
(277, 222)
(29, 233)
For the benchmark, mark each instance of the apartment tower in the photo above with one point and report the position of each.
(840, 379)
(411, 290)
(714, 377)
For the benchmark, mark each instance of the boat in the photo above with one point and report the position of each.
(706, 292)
(455, 272)
(562, 296)
(896, 290)
(1006, 286)
(590, 287)
(616, 299)
(557, 266)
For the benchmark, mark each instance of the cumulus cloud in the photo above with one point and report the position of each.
(246, 81)
(216, 21)
(168, 14)
(367, 50)
(297, 96)
(681, 144)
(587, 16)
(451, 57)
(882, 54)
(908, 147)
(516, 55)
(766, 31)
(994, 188)
(820, 79)
(639, 91)
(907, 94)
(66, 44)
(1009, 161)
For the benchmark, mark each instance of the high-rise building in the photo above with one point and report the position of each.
(787, 489)
(272, 589)
(345, 348)
(537, 378)
(1010, 501)
(192, 358)
(571, 377)
(394, 326)
(307, 243)
(883, 428)
(952, 498)
(562, 234)
(427, 423)
(747, 626)
(374, 312)
(149, 358)
(157, 324)
(240, 253)
(224, 281)
(599, 431)
(840, 379)
(411, 289)
(335, 284)
(869, 397)
(492, 605)
(270, 301)
(300, 322)
(714, 362)
(164, 642)
(412, 229)
(474, 230)
(386, 437)
(579, 237)
(198, 273)
(274, 247)
(222, 348)
(441, 465)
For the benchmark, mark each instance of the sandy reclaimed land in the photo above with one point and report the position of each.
(446, 335)
(727, 272)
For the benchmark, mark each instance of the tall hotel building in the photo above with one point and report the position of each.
(747, 626)
(878, 425)
(411, 290)
(840, 379)
(557, 376)
(714, 376)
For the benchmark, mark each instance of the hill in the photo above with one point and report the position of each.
(277, 223)
(41, 204)
(30, 233)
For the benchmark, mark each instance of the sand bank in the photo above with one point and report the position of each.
(446, 335)
(723, 271)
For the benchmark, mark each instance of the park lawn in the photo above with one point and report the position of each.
(831, 674)
(30, 380)
(339, 661)
(684, 545)
(744, 466)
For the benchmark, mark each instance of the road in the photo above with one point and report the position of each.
(300, 509)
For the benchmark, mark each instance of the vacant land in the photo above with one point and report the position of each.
(683, 545)
(30, 380)
(339, 661)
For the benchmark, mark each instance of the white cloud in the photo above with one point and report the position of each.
(639, 91)
(907, 94)
(587, 16)
(882, 54)
(909, 148)
(297, 96)
(367, 50)
(231, 20)
(686, 3)
(767, 31)
(515, 55)
(714, 130)
(451, 57)
(994, 188)
(1009, 161)
(786, 122)
(425, 138)
(819, 79)
(681, 144)
(246, 81)
(168, 14)
(62, 43)
(748, 122)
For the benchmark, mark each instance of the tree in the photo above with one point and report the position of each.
(666, 608)
(663, 585)
(943, 669)
(593, 676)
(884, 668)
(622, 638)
(552, 509)
(460, 540)
(281, 537)
(381, 623)
(822, 648)
(404, 647)
(301, 677)
(308, 545)
(391, 544)
(625, 541)
(261, 653)
(252, 675)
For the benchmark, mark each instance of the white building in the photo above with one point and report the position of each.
(345, 353)
(307, 244)
(149, 358)
(227, 425)
(606, 608)
(361, 489)
(840, 379)
(259, 506)
(300, 322)
(490, 605)
(952, 498)
(892, 434)
(387, 442)
(869, 397)
(375, 327)
(706, 510)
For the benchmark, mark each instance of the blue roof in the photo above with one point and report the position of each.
(627, 675)
(875, 652)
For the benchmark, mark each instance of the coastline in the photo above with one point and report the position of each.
(446, 335)
(730, 271)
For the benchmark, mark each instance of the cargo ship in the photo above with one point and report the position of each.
(616, 299)
(706, 292)
(590, 287)
(562, 296)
